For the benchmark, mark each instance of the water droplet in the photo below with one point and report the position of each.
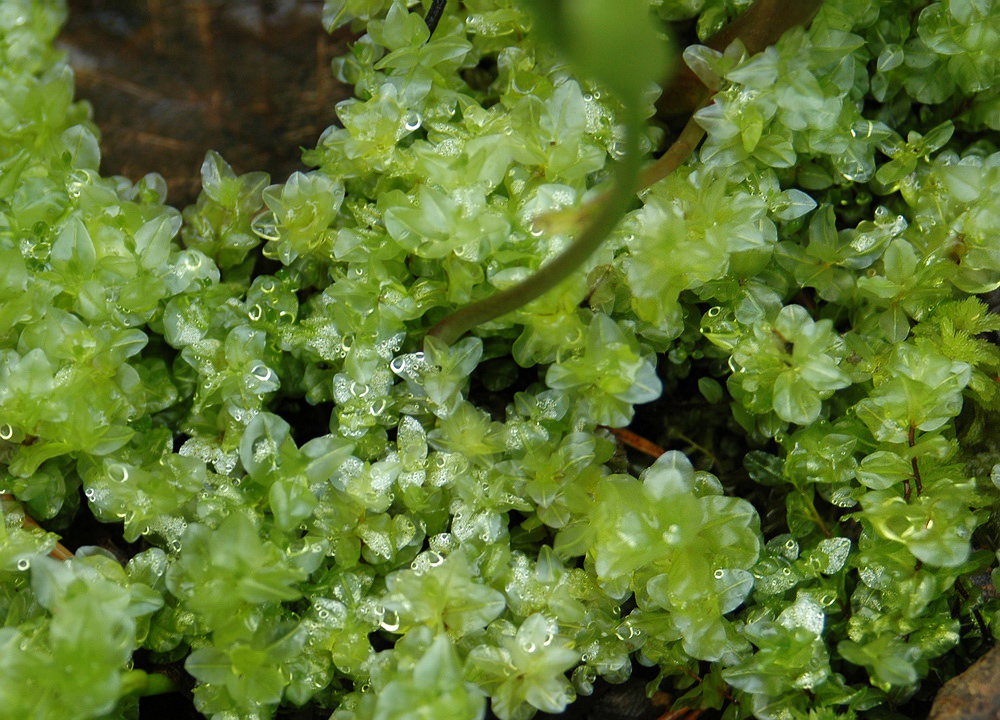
(265, 226)
(261, 372)
(719, 574)
(359, 390)
(588, 97)
(535, 231)
(390, 622)
(23, 564)
(323, 614)
(549, 637)
(435, 558)
(397, 364)
(267, 286)
(6, 432)
(90, 493)
(255, 313)
(597, 94)
(626, 632)
(118, 473)
(412, 121)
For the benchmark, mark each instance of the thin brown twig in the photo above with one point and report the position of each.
(558, 221)
(60, 551)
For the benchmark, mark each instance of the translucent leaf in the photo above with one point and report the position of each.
(73, 251)
(794, 399)
(262, 444)
(291, 501)
(84, 150)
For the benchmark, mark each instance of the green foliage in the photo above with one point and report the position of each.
(789, 366)
(338, 510)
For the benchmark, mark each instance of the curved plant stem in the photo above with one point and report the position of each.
(675, 156)
(433, 16)
(681, 149)
(761, 25)
(614, 205)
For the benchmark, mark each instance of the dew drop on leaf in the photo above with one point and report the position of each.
(6, 432)
(265, 226)
(118, 473)
(836, 550)
(261, 372)
(390, 622)
(412, 121)
(359, 390)
(23, 564)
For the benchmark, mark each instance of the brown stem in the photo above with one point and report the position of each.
(559, 221)
(761, 25)
(912, 439)
(569, 260)
(60, 552)
(978, 616)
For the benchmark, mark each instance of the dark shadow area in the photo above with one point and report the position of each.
(172, 79)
